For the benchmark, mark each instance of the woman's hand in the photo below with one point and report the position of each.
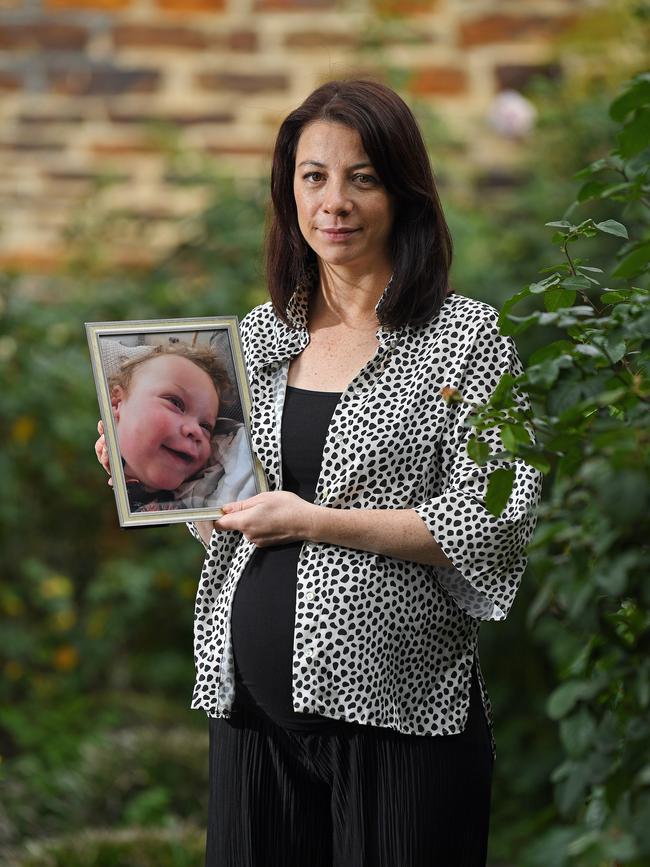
(102, 452)
(271, 518)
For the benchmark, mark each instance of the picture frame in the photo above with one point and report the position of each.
(174, 400)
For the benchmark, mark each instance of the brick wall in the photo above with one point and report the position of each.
(85, 86)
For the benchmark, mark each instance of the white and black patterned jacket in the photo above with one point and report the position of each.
(379, 640)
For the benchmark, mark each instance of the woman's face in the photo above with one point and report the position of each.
(344, 211)
(165, 421)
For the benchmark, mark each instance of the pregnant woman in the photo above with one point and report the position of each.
(337, 615)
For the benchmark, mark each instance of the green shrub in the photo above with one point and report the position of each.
(590, 393)
(180, 846)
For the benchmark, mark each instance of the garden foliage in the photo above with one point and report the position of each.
(96, 642)
(589, 385)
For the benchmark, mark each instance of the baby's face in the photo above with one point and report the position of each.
(165, 421)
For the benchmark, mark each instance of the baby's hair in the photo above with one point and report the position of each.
(206, 359)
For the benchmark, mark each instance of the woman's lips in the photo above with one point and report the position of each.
(338, 234)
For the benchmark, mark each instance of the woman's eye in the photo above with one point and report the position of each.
(314, 176)
(365, 180)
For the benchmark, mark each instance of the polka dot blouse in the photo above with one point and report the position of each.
(379, 640)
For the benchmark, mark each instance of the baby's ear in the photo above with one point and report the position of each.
(117, 396)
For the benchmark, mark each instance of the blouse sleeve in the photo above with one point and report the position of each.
(194, 531)
(487, 551)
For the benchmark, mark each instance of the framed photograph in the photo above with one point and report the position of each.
(174, 399)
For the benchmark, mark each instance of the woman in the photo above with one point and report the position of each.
(337, 615)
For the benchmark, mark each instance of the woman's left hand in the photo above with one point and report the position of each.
(271, 518)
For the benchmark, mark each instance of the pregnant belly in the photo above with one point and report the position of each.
(262, 624)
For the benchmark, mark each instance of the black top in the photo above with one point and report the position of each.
(264, 604)
(263, 609)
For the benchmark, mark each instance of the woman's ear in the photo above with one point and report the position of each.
(117, 396)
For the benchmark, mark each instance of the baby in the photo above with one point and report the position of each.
(166, 403)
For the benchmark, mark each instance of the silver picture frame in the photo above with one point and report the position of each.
(172, 414)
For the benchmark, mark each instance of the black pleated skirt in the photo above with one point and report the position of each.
(361, 796)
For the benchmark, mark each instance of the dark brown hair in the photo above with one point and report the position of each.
(420, 242)
(206, 359)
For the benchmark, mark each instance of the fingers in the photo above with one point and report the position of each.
(101, 451)
(239, 505)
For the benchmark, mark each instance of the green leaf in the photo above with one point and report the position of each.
(635, 135)
(636, 96)
(539, 461)
(547, 372)
(634, 262)
(578, 732)
(597, 166)
(513, 435)
(616, 349)
(588, 349)
(613, 297)
(612, 227)
(551, 350)
(504, 322)
(560, 224)
(502, 396)
(564, 397)
(565, 697)
(543, 285)
(556, 298)
(591, 190)
(613, 190)
(499, 489)
(478, 450)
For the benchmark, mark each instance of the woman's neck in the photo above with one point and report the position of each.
(347, 298)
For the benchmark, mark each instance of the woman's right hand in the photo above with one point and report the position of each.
(102, 452)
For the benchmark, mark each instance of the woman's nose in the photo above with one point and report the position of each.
(336, 199)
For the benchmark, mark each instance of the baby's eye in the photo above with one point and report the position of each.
(176, 401)
(207, 428)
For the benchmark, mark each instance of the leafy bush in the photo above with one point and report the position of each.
(180, 846)
(590, 392)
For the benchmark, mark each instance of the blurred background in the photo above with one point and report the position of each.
(135, 138)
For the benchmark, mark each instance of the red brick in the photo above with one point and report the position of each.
(32, 146)
(50, 36)
(35, 119)
(508, 28)
(320, 39)
(242, 83)
(108, 80)
(191, 5)
(9, 81)
(88, 4)
(176, 119)
(441, 80)
(123, 148)
(353, 71)
(79, 176)
(239, 150)
(407, 38)
(242, 40)
(518, 76)
(294, 5)
(153, 36)
(31, 260)
(404, 7)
